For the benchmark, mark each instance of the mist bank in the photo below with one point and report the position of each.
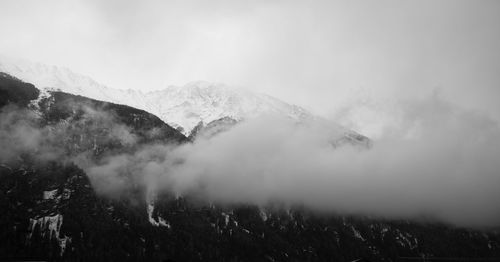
(440, 161)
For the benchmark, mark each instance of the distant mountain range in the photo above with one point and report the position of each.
(183, 107)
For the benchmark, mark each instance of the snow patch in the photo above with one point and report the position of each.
(52, 226)
(357, 234)
(226, 218)
(263, 214)
(405, 239)
(49, 194)
(160, 222)
(62, 243)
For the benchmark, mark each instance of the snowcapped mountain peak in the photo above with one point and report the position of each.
(186, 106)
(183, 107)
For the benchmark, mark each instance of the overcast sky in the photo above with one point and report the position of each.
(312, 53)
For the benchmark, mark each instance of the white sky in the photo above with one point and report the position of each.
(312, 53)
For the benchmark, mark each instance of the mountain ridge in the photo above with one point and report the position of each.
(183, 107)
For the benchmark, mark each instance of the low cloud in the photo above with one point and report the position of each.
(20, 133)
(440, 161)
(27, 134)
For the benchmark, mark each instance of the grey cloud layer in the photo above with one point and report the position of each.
(442, 163)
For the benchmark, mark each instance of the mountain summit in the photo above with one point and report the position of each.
(183, 107)
(203, 102)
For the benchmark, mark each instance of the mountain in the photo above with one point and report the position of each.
(52, 210)
(183, 107)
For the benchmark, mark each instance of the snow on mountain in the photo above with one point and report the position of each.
(47, 77)
(183, 107)
(205, 102)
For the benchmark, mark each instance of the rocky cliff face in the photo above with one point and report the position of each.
(52, 211)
